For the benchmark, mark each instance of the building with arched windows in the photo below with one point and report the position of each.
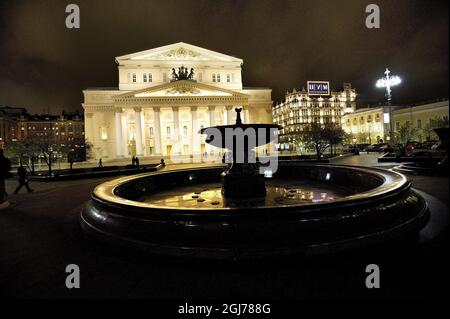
(316, 104)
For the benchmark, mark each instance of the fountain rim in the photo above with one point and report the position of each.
(392, 184)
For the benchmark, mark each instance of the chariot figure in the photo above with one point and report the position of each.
(191, 74)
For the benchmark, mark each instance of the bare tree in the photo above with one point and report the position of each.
(336, 135)
(317, 137)
(406, 133)
(24, 152)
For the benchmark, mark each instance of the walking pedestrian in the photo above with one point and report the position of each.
(23, 180)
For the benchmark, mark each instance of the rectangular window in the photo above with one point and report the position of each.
(134, 78)
(150, 77)
(218, 77)
(214, 77)
(151, 131)
(419, 123)
(145, 77)
(168, 131)
(228, 78)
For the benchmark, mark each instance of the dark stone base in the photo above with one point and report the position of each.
(241, 187)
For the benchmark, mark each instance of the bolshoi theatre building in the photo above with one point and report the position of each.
(164, 97)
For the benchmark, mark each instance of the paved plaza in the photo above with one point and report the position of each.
(40, 236)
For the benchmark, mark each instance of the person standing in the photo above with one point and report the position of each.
(23, 180)
(5, 167)
(133, 160)
(136, 161)
(100, 163)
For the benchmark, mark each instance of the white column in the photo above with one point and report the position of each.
(88, 127)
(157, 130)
(89, 131)
(176, 130)
(124, 134)
(144, 144)
(225, 116)
(230, 118)
(138, 130)
(118, 132)
(246, 119)
(195, 148)
(212, 115)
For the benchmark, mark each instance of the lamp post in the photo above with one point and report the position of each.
(388, 82)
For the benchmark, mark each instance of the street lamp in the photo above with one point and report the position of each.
(388, 82)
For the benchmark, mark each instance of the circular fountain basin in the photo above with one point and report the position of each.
(309, 209)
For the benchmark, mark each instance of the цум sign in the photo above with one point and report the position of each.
(318, 88)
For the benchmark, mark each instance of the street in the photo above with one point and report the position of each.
(40, 236)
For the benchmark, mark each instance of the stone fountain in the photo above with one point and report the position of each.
(234, 212)
(241, 140)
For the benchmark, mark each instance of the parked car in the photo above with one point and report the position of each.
(423, 152)
(350, 148)
(374, 148)
(430, 145)
(362, 147)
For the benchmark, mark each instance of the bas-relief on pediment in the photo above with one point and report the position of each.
(175, 54)
(182, 91)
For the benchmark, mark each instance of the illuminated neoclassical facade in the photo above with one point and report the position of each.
(371, 125)
(165, 96)
(304, 107)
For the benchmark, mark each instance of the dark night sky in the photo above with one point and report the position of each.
(283, 44)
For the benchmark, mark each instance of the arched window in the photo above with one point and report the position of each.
(168, 132)
(185, 131)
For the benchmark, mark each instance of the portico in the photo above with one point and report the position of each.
(166, 118)
(157, 112)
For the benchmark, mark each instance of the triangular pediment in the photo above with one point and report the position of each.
(183, 88)
(178, 52)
